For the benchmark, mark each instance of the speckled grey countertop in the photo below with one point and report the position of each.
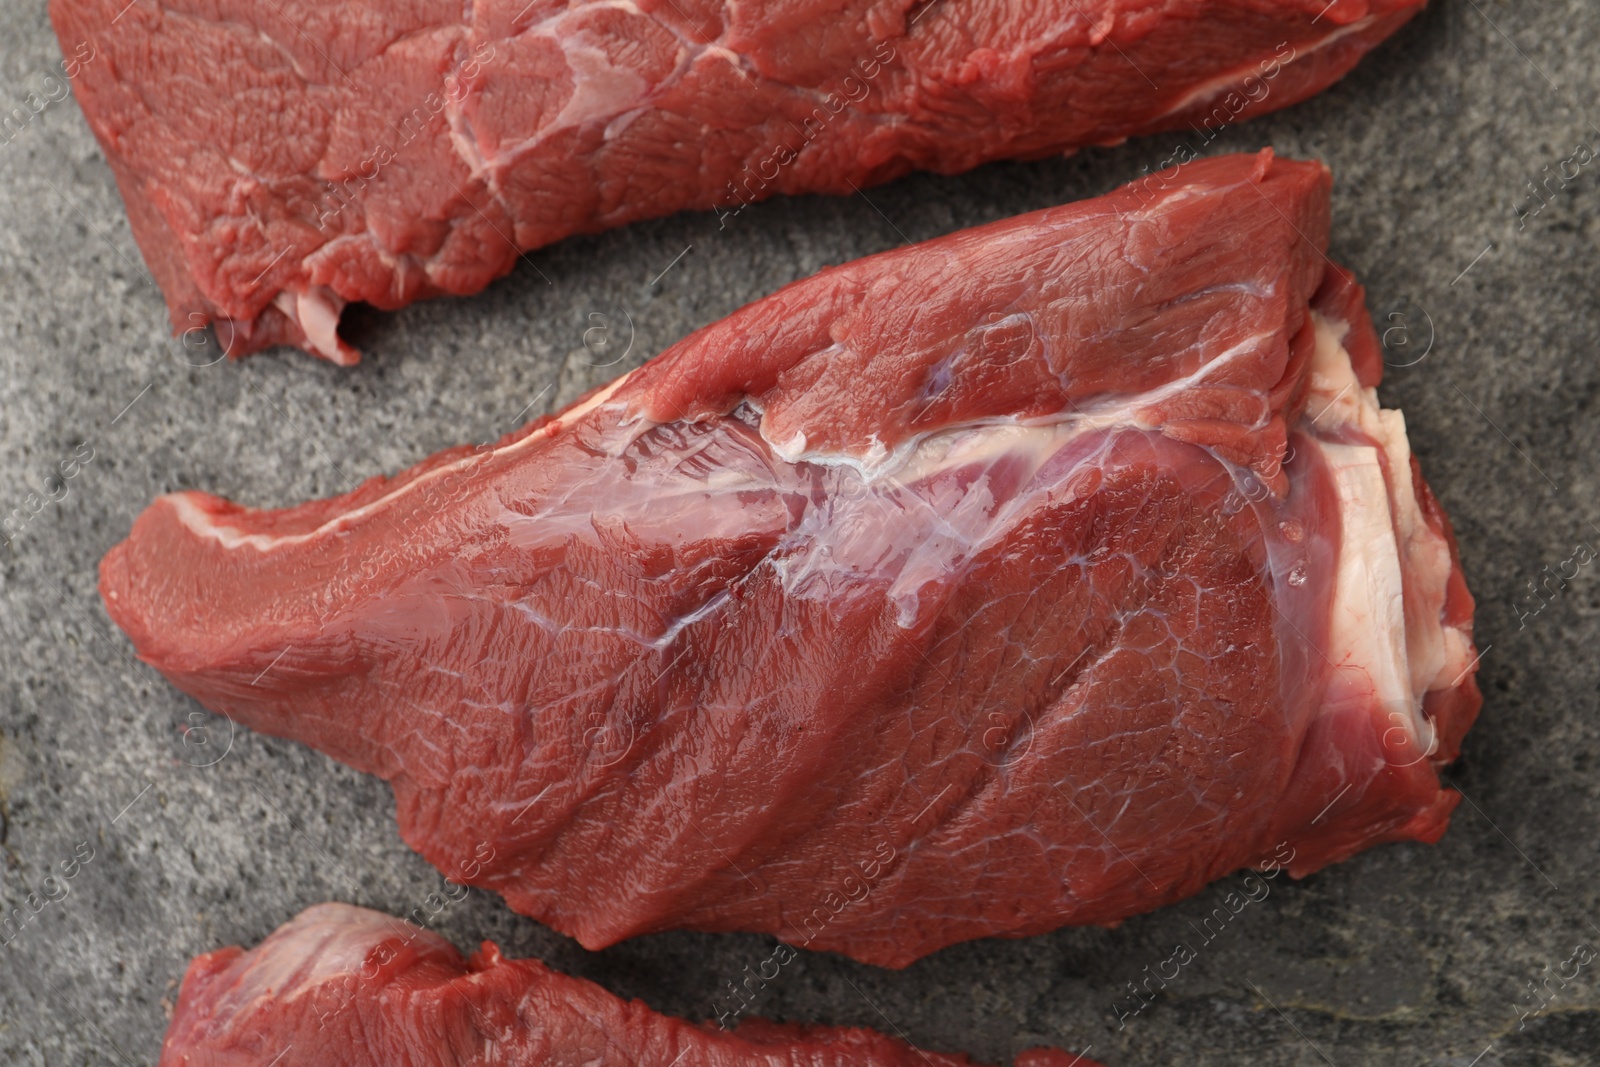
(1404, 955)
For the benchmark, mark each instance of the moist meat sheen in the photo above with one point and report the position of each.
(280, 159)
(1039, 574)
(339, 986)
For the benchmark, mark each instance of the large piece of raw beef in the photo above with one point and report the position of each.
(339, 986)
(1038, 574)
(279, 159)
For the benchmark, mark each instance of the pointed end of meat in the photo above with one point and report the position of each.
(161, 608)
(229, 626)
(121, 591)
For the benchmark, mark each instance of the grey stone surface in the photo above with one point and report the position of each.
(1404, 955)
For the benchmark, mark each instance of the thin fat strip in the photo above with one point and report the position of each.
(341, 986)
(281, 160)
(1040, 574)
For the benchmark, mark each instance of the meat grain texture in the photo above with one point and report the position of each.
(1039, 574)
(339, 986)
(281, 160)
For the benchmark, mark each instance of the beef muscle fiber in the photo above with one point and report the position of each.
(280, 159)
(1039, 574)
(339, 986)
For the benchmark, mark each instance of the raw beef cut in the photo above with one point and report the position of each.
(278, 160)
(339, 986)
(1039, 574)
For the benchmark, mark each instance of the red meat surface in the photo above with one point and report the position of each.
(280, 159)
(339, 986)
(1038, 574)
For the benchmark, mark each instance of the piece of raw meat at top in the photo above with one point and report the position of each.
(1038, 574)
(339, 986)
(279, 160)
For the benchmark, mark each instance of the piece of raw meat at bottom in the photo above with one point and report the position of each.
(339, 986)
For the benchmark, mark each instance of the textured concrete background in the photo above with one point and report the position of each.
(202, 836)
